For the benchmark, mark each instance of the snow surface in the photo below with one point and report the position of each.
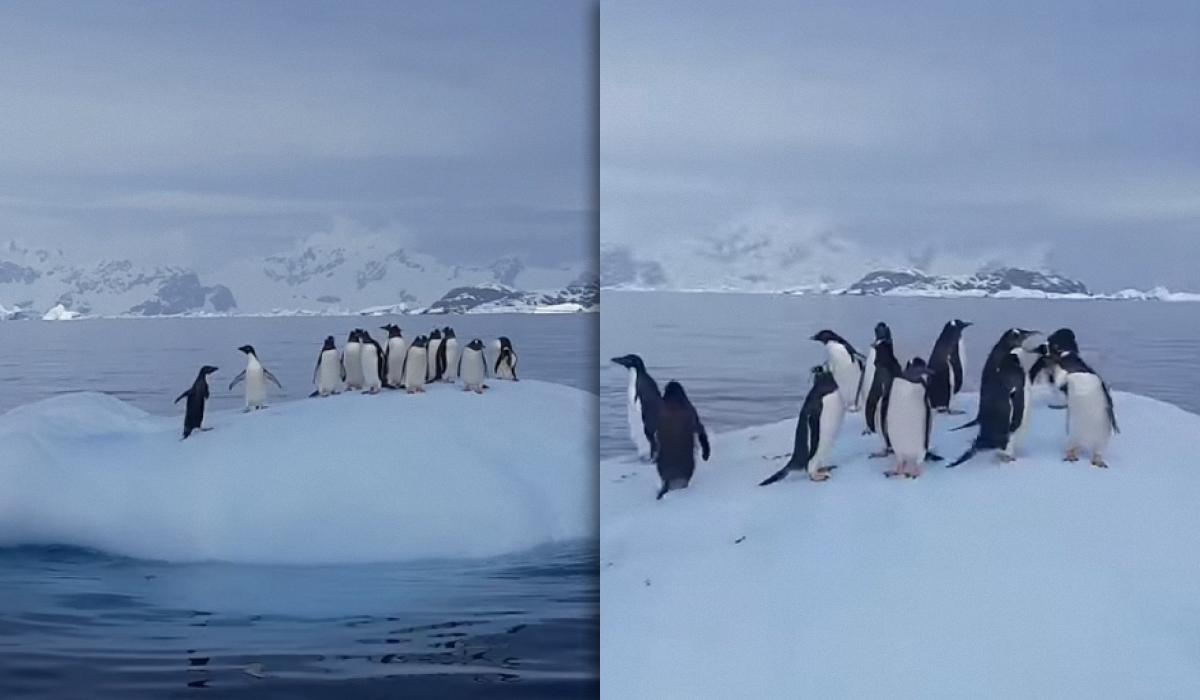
(350, 478)
(1037, 579)
(60, 313)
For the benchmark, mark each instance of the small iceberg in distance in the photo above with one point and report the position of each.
(346, 479)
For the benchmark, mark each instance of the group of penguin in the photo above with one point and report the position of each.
(364, 365)
(898, 402)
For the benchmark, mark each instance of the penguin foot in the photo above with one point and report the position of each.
(892, 473)
(1057, 408)
(1099, 462)
(866, 431)
(479, 391)
(1005, 457)
(246, 409)
(818, 476)
(204, 430)
(1071, 456)
(879, 455)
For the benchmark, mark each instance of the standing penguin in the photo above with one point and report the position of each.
(394, 352)
(256, 377)
(946, 362)
(882, 332)
(329, 373)
(887, 368)
(1010, 342)
(1091, 420)
(472, 366)
(908, 415)
(415, 365)
(845, 363)
(506, 361)
(677, 430)
(642, 403)
(432, 346)
(1003, 404)
(448, 355)
(193, 418)
(816, 428)
(1059, 342)
(372, 363)
(352, 361)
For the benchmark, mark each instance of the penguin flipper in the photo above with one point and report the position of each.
(956, 363)
(182, 396)
(241, 375)
(1018, 410)
(775, 477)
(814, 432)
(929, 427)
(1112, 415)
(883, 412)
(705, 450)
(966, 455)
(270, 376)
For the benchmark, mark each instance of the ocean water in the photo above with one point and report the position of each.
(77, 623)
(744, 358)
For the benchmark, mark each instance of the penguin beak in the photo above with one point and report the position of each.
(815, 336)
(967, 323)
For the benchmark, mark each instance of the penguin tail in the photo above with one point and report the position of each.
(973, 422)
(966, 455)
(314, 394)
(774, 477)
(933, 456)
(662, 491)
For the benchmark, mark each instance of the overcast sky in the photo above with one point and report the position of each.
(196, 131)
(961, 124)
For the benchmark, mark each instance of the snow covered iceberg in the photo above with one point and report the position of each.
(350, 478)
(1036, 579)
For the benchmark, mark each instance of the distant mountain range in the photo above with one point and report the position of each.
(829, 265)
(325, 274)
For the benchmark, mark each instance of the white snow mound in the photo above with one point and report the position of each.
(1036, 579)
(350, 478)
(60, 313)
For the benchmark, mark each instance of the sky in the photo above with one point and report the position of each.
(191, 133)
(1068, 127)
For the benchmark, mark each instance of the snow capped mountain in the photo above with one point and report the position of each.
(581, 295)
(1005, 281)
(326, 273)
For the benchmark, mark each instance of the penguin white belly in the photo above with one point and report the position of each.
(906, 421)
(370, 368)
(353, 361)
(832, 412)
(845, 372)
(397, 349)
(637, 431)
(431, 352)
(472, 368)
(1088, 426)
(256, 386)
(451, 359)
(329, 376)
(867, 377)
(414, 369)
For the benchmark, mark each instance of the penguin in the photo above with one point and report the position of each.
(415, 365)
(448, 356)
(1003, 403)
(816, 428)
(506, 360)
(887, 368)
(1057, 343)
(472, 366)
(256, 377)
(394, 352)
(432, 346)
(1091, 420)
(352, 361)
(946, 362)
(1010, 341)
(882, 331)
(372, 363)
(329, 373)
(193, 418)
(676, 432)
(642, 405)
(845, 363)
(909, 417)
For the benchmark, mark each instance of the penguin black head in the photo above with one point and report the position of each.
(828, 336)
(917, 371)
(630, 361)
(673, 393)
(353, 337)
(1015, 337)
(435, 334)
(330, 344)
(392, 329)
(207, 370)
(505, 343)
(420, 341)
(882, 332)
(822, 377)
(475, 344)
(1062, 340)
(364, 337)
(961, 324)
(447, 332)
(248, 349)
